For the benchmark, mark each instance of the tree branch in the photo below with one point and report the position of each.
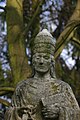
(3, 8)
(4, 102)
(33, 18)
(65, 37)
(6, 90)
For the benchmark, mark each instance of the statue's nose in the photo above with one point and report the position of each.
(41, 61)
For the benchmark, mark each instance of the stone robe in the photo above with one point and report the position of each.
(37, 93)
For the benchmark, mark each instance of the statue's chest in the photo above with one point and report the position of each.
(39, 90)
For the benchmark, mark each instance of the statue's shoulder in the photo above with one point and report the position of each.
(21, 89)
(65, 84)
(62, 83)
(24, 83)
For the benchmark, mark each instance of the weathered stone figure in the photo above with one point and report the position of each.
(43, 97)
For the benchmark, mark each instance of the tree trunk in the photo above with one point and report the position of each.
(18, 60)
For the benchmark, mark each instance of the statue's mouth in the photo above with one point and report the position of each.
(41, 66)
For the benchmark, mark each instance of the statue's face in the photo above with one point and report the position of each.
(41, 62)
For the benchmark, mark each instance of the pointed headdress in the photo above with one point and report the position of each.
(43, 43)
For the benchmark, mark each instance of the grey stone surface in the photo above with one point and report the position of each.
(43, 97)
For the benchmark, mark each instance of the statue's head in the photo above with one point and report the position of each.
(43, 51)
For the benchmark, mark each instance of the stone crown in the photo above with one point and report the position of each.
(44, 42)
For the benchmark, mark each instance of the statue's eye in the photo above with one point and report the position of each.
(46, 57)
(37, 57)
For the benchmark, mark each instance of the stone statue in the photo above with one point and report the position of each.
(43, 97)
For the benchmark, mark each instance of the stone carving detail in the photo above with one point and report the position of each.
(43, 97)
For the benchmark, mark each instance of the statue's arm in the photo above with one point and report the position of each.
(19, 108)
(11, 112)
(16, 110)
(71, 97)
(71, 110)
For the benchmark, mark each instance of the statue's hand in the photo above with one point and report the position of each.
(28, 111)
(21, 110)
(51, 111)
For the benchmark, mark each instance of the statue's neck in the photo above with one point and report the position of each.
(43, 76)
